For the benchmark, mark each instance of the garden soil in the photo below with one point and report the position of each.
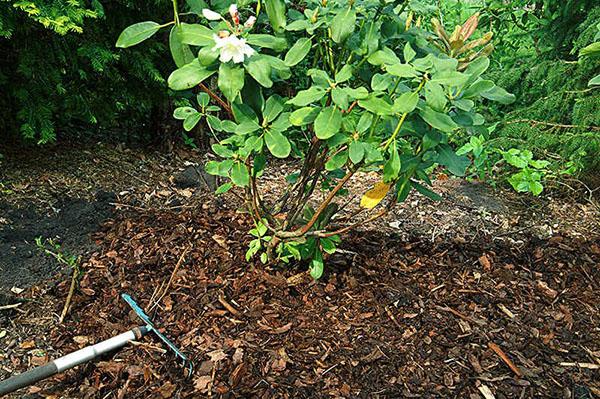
(484, 295)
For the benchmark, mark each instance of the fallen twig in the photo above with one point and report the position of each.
(12, 306)
(164, 291)
(65, 310)
(591, 366)
(228, 306)
(505, 359)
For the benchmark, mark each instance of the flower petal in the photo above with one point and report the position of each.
(211, 15)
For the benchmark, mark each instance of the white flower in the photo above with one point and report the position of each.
(250, 22)
(232, 48)
(211, 15)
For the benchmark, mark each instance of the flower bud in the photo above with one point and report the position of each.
(223, 34)
(235, 15)
(250, 22)
(210, 15)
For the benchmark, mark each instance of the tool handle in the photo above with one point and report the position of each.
(27, 378)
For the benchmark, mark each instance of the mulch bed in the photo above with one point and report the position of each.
(393, 316)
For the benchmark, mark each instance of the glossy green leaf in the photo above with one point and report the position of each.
(137, 33)
(328, 123)
(260, 70)
(298, 51)
(276, 13)
(343, 25)
(188, 76)
(337, 161)
(409, 53)
(426, 192)
(402, 70)
(239, 174)
(438, 120)
(356, 151)
(273, 107)
(308, 96)
(376, 105)
(405, 103)
(231, 80)
(181, 53)
(498, 94)
(277, 143)
(197, 35)
(456, 164)
(304, 116)
(267, 41)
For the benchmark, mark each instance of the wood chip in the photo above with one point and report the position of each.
(486, 392)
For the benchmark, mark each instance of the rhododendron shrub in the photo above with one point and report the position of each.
(345, 86)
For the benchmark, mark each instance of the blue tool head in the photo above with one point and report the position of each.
(142, 315)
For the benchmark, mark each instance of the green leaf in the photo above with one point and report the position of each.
(594, 81)
(457, 165)
(197, 35)
(277, 143)
(260, 70)
(405, 103)
(298, 51)
(181, 113)
(356, 151)
(247, 127)
(207, 56)
(188, 76)
(342, 25)
(276, 13)
(381, 82)
(498, 94)
(316, 265)
(385, 56)
(231, 80)
(435, 96)
(409, 53)
(273, 107)
(191, 121)
(364, 123)
(267, 41)
(337, 161)
(304, 116)
(438, 120)
(426, 192)
(450, 78)
(328, 123)
(239, 174)
(376, 105)
(477, 88)
(402, 70)
(305, 97)
(591, 49)
(137, 33)
(391, 169)
(223, 188)
(181, 53)
(340, 97)
(476, 68)
(344, 74)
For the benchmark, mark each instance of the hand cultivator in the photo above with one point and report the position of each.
(91, 352)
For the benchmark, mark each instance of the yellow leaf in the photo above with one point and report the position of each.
(374, 195)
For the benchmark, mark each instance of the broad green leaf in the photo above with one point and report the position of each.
(477, 88)
(301, 24)
(305, 97)
(426, 192)
(137, 33)
(207, 56)
(409, 53)
(376, 105)
(356, 151)
(203, 99)
(273, 107)
(594, 81)
(298, 51)
(183, 112)
(328, 123)
(277, 143)
(304, 116)
(340, 98)
(239, 174)
(260, 70)
(357, 94)
(438, 120)
(498, 94)
(343, 25)
(181, 53)
(231, 80)
(375, 195)
(456, 164)
(267, 41)
(337, 161)
(385, 56)
(223, 188)
(435, 96)
(247, 127)
(196, 6)
(364, 123)
(317, 265)
(188, 76)
(450, 78)
(405, 103)
(591, 49)
(402, 70)
(191, 121)
(391, 169)
(381, 82)
(276, 13)
(344, 74)
(197, 35)
(476, 68)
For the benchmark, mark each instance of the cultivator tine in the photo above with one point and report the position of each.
(150, 326)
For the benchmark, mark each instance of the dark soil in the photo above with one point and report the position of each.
(422, 304)
(69, 222)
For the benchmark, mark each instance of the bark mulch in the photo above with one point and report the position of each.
(394, 317)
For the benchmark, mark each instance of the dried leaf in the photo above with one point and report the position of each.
(374, 195)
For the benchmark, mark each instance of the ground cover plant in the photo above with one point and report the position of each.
(382, 94)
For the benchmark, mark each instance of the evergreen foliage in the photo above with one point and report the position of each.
(60, 72)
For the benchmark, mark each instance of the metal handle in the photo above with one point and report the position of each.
(27, 378)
